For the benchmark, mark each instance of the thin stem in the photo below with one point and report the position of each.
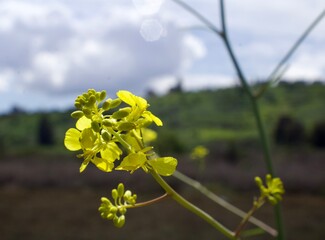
(226, 41)
(127, 146)
(147, 203)
(296, 45)
(259, 122)
(243, 223)
(194, 209)
(209, 24)
(198, 186)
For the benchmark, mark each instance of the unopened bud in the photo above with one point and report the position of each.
(115, 103)
(77, 114)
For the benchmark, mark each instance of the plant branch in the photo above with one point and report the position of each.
(189, 206)
(296, 45)
(204, 20)
(212, 196)
(147, 203)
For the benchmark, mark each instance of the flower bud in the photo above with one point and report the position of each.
(120, 221)
(113, 209)
(114, 194)
(86, 111)
(106, 105)
(106, 136)
(126, 126)
(108, 122)
(91, 101)
(77, 114)
(121, 114)
(115, 103)
(95, 126)
(122, 210)
(120, 190)
(102, 95)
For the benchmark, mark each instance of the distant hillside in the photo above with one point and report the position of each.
(190, 117)
(225, 114)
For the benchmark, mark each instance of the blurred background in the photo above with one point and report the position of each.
(51, 52)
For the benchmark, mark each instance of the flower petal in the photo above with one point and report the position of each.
(164, 166)
(71, 140)
(103, 164)
(83, 123)
(132, 162)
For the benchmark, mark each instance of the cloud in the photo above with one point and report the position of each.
(192, 82)
(55, 48)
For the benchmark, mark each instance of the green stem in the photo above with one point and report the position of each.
(147, 203)
(296, 45)
(243, 223)
(127, 146)
(189, 206)
(198, 186)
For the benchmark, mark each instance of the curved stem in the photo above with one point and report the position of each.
(147, 203)
(198, 186)
(194, 209)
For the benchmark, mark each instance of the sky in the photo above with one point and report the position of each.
(52, 51)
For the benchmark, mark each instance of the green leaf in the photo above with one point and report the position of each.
(71, 140)
(132, 162)
(164, 166)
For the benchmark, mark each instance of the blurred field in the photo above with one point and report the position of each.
(43, 195)
(49, 199)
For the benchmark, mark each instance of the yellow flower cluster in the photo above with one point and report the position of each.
(273, 190)
(104, 129)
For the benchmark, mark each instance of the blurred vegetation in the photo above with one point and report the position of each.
(191, 118)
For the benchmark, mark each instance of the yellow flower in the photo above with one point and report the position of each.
(94, 148)
(138, 108)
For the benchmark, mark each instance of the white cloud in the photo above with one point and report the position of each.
(65, 52)
(65, 47)
(308, 66)
(192, 82)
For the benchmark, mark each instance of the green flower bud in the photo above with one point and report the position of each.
(114, 194)
(115, 103)
(77, 114)
(127, 195)
(110, 216)
(126, 126)
(78, 105)
(113, 209)
(102, 95)
(95, 126)
(122, 210)
(120, 190)
(106, 201)
(119, 222)
(91, 101)
(258, 181)
(87, 112)
(121, 113)
(108, 122)
(106, 105)
(106, 136)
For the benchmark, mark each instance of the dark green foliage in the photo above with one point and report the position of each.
(169, 143)
(318, 135)
(289, 131)
(192, 117)
(45, 131)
